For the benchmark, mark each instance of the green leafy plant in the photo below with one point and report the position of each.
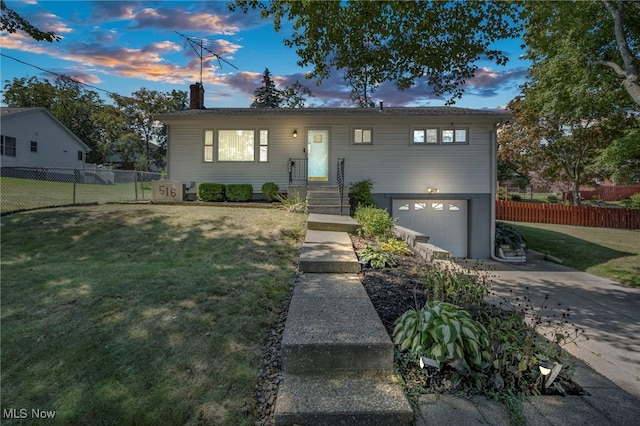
(361, 194)
(376, 257)
(633, 202)
(270, 190)
(448, 284)
(396, 246)
(239, 191)
(211, 192)
(374, 223)
(509, 235)
(552, 198)
(444, 332)
(293, 204)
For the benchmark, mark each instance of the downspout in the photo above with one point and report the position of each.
(494, 178)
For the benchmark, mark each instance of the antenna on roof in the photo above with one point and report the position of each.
(199, 45)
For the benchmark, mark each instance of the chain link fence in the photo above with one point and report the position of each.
(27, 188)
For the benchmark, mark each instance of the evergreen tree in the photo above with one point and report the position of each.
(267, 96)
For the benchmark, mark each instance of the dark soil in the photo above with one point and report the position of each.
(392, 291)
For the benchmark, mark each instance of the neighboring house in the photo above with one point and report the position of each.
(434, 168)
(33, 137)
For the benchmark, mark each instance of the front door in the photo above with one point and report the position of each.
(318, 155)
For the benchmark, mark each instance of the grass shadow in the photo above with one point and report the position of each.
(585, 255)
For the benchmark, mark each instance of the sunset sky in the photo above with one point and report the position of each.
(122, 46)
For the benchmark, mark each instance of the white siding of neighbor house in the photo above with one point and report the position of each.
(56, 145)
(392, 161)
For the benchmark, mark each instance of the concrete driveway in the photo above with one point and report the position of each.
(608, 312)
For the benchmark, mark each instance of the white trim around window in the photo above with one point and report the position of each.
(236, 145)
(362, 136)
(437, 135)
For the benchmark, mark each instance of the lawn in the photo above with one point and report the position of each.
(24, 194)
(141, 314)
(609, 253)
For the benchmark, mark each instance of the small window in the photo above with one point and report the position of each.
(236, 145)
(362, 136)
(34, 146)
(264, 146)
(421, 136)
(418, 136)
(80, 155)
(8, 146)
(208, 146)
(454, 136)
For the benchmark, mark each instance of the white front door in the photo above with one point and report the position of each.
(318, 155)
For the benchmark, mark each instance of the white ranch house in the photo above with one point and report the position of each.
(433, 168)
(33, 137)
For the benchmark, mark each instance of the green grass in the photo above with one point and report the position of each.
(141, 314)
(24, 194)
(606, 252)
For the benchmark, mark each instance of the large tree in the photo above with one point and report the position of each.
(267, 95)
(144, 129)
(599, 37)
(11, 22)
(398, 41)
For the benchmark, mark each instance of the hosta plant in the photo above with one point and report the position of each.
(444, 332)
(396, 246)
(376, 258)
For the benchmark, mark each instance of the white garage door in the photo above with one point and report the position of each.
(444, 221)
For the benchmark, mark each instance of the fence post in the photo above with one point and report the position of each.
(135, 183)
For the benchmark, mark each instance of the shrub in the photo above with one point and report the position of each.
(444, 332)
(376, 258)
(374, 223)
(552, 198)
(293, 204)
(361, 194)
(270, 190)
(503, 195)
(211, 192)
(396, 246)
(239, 192)
(516, 197)
(509, 235)
(632, 202)
(457, 287)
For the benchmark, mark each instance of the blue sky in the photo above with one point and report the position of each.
(122, 46)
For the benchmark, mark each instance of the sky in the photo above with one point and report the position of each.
(123, 46)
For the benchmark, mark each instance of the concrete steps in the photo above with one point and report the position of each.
(326, 252)
(337, 357)
(325, 200)
(330, 222)
(333, 326)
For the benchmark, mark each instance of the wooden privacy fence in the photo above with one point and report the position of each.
(559, 214)
(605, 193)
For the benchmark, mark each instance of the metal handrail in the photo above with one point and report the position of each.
(340, 181)
(297, 169)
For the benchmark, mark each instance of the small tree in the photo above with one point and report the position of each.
(267, 96)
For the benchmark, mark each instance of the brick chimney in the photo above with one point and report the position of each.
(196, 99)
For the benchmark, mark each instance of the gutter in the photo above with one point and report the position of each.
(494, 176)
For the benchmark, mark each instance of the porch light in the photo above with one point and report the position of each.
(295, 134)
(431, 190)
